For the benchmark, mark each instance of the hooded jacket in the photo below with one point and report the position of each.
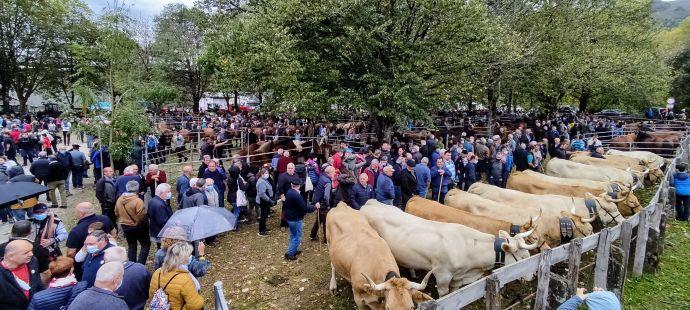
(194, 198)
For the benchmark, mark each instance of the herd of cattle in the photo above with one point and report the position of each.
(483, 228)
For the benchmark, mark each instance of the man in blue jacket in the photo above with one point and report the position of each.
(295, 207)
(440, 179)
(597, 300)
(182, 184)
(421, 170)
(322, 200)
(362, 191)
(681, 181)
(159, 211)
(385, 190)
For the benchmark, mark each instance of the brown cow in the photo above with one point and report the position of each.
(434, 211)
(376, 281)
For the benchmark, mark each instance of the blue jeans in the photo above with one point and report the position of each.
(77, 177)
(295, 237)
(22, 214)
(682, 207)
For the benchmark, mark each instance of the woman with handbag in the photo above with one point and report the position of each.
(237, 196)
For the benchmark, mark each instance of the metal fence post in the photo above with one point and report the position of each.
(221, 303)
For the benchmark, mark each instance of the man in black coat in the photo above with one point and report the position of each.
(40, 168)
(56, 180)
(106, 193)
(520, 157)
(408, 182)
(18, 266)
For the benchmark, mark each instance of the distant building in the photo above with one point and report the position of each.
(216, 101)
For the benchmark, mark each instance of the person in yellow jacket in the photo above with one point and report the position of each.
(179, 284)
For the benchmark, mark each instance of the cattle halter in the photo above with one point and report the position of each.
(500, 253)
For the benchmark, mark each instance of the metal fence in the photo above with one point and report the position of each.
(645, 247)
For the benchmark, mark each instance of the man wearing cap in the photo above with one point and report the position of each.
(295, 207)
(48, 231)
(78, 163)
(408, 182)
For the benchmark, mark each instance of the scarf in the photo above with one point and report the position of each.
(63, 282)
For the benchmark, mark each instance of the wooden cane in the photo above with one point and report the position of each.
(318, 221)
(440, 186)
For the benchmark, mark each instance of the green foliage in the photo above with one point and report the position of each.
(158, 94)
(127, 123)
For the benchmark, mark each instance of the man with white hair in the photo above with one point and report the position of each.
(102, 295)
(132, 216)
(135, 280)
(182, 184)
(154, 177)
(131, 173)
(159, 211)
(40, 168)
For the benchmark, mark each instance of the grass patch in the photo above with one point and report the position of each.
(669, 288)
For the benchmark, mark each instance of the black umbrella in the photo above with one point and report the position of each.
(10, 193)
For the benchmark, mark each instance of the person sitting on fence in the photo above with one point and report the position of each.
(599, 299)
(681, 181)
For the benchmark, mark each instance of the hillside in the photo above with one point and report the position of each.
(670, 13)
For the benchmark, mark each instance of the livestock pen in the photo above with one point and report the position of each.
(640, 241)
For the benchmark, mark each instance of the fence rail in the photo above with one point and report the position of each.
(645, 249)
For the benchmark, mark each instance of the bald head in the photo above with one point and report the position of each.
(108, 172)
(187, 170)
(17, 253)
(115, 254)
(83, 209)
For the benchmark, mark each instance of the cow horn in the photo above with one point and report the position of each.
(584, 220)
(525, 234)
(421, 286)
(374, 286)
(523, 245)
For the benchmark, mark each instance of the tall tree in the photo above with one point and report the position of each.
(179, 35)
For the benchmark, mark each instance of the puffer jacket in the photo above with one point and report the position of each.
(56, 297)
(181, 291)
(130, 210)
(681, 180)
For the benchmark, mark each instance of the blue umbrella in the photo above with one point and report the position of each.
(200, 222)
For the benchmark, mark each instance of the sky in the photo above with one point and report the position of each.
(146, 9)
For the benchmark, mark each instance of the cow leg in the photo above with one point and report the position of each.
(443, 282)
(413, 274)
(334, 285)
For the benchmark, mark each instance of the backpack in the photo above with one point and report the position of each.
(151, 143)
(160, 301)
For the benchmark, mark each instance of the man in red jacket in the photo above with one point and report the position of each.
(284, 161)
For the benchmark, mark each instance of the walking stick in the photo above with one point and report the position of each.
(440, 186)
(318, 222)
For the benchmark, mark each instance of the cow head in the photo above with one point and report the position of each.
(606, 208)
(515, 248)
(399, 293)
(583, 226)
(655, 175)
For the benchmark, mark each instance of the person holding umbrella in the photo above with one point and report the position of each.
(295, 207)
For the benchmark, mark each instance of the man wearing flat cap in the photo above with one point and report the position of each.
(408, 182)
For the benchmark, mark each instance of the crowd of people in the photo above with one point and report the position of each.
(137, 205)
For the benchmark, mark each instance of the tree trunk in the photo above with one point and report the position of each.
(226, 96)
(22, 103)
(510, 101)
(583, 99)
(261, 98)
(237, 102)
(195, 102)
(5, 98)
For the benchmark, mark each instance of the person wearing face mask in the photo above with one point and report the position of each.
(48, 231)
(211, 193)
(102, 295)
(264, 192)
(95, 244)
(159, 211)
